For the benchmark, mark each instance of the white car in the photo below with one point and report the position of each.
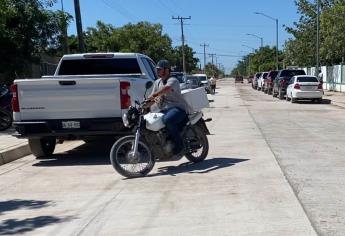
(261, 80)
(204, 82)
(304, 87)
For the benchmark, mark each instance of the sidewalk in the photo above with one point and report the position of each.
(337, 98)
(12, 148)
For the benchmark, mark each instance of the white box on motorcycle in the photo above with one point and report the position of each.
(196, 98)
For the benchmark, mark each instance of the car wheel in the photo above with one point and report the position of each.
(319, 100)
(42, 147)
(293, 100)
(287, 98)
(280, 94)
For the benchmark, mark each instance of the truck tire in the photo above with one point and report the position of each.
(42, 147)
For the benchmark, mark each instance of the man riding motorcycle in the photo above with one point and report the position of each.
(167, 95)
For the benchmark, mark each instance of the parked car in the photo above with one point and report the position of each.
(192, 82)
(181, 77)
(304, 87)
(204, 82)
(282, 79)
(269, 81)
(87, 96)
(239, 79)
(255, 80)
(261, 80)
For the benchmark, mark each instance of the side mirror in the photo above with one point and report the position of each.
(148, 84)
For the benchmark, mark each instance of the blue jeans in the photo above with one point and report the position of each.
(173, 119)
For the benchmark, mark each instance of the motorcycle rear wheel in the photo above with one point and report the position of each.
(5, 119)
(126, 163)
(197, 154)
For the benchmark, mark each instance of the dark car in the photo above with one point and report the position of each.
(250, 78)
(192, 82)
(282, 79)
(181, 77)
(239, 79)
(268, 86)
(255, 80)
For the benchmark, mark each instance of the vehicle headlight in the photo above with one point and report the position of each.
(125, 120)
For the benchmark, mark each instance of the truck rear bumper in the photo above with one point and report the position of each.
(55, 128)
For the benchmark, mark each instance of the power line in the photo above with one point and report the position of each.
(124, 12)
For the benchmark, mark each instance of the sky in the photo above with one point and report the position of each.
(221, 24)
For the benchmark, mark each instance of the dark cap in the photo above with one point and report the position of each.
(163, 64)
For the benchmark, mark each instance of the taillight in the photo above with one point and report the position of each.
(124, 96)
(15, 99)
(319, 86)
(297, 86)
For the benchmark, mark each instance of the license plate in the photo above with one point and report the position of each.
(70, 124)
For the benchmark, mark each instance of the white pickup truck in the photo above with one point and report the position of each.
(84, 99)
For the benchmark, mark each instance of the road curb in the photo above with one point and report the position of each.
(14, 154)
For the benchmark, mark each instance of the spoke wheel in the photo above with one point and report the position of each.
(129, 164)
(197, 145)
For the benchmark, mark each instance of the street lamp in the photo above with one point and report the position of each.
(276, 20)
(256, 36)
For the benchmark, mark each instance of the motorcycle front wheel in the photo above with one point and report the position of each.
(129, 164)
(5, 119)
(198, 145)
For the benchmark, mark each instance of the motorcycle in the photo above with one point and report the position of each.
(5, 108)
(135, 155)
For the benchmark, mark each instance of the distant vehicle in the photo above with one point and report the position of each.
(192, 82)
(304, 87)
(239, 79)
(282, 79)
(181, 77)
(268, 87)
(204, 82)
(261, 81)
(255, 80)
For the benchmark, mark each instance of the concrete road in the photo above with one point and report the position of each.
(239, 189)
(308, 141)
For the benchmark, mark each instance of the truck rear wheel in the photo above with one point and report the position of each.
(42, 147)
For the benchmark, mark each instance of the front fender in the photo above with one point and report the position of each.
(201, 123)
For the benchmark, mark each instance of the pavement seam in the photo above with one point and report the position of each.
(286, 178)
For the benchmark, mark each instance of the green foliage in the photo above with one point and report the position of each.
(212, 70)
(263, 59)
(191, 61)
(26, 30)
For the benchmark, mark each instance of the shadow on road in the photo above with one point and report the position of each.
(15, 226)
(96, 153)
(324, 101)
(198, 168)
(16, 204)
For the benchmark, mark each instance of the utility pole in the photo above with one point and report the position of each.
(204, 45)
(79, 26)
(212, 55)
(317, 38)
(65, 38)
(181, 19)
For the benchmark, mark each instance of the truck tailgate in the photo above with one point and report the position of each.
(69, 98)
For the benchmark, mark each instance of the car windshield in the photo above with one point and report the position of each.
(307, 79)
(179, 76)
(265, 75)
(202, 78)
(193, 80)
(291, 73)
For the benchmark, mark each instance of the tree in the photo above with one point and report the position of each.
(191, 61)
(27, 29)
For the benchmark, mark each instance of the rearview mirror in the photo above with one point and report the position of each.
(148, 84)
